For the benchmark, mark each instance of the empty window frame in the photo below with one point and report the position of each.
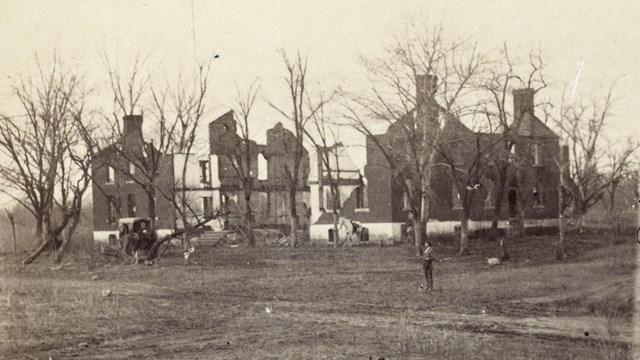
(536, 154)
(204, 172)
(111, 175)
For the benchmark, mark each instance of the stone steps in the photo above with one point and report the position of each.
(211, 237)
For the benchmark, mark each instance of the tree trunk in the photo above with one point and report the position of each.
(151, 198)
(424, 206)
(615, 221)
(66, 236)
(581, 222)
(153, 252)
(336, 233)
(39, 227)
(185, 237)
(497, 207)
(421, 229)
(418, 240)
(416, 223)
(13, 232)
(523, 216)
(248, 216)
(504, 255)
(560, 253)
(45, 230)
(336, 218)
(60, 253)
(35, 254)
(638, 208)
(294, 215)
(464, 236)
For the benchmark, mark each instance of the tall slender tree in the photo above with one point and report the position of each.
(498, 83)
(423, 79)
(300, 112)
(463, 154)
(48, 152)
(242, 153)
(596, 164)
(325, 140)
(181, 105)
(177, 108)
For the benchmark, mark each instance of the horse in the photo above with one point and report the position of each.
(352, 230)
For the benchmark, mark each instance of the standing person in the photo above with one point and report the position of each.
(428, 265)
(408, 233)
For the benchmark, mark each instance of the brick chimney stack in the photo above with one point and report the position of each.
(522, 104)
(132, 133)
(132, 125)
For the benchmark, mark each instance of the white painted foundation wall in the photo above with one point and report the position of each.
(388, 233)
(102, 237)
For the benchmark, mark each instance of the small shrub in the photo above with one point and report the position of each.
(541, 231)
(487, 234)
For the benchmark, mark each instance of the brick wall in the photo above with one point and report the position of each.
(269, 201)
(386, 197)
(121, 187)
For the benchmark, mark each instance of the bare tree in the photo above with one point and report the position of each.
(526, 188)
(147, 158)
(241, 150)
(49, 157)
(498, 84)
(616, 205)
(180, 107)
(465, 154)
(420, 83)
(12, 220)
(325, 141)
(301, 111)
(177, 109)
(595, 164)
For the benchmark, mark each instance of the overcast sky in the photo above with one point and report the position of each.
(246, 35)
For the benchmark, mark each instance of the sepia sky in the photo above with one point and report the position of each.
(604, 35)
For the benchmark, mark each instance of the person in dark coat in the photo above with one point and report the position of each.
(429, 258)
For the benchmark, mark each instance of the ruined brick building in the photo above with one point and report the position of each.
(380, 204)
(368, 193)
(115, 192)
(211, 181)
(270, 200)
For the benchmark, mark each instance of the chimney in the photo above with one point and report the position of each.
(132, 125)
(426, 87)
(522, 104)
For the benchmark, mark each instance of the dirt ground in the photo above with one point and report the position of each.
(323, 303)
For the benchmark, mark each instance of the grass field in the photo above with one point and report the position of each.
(324, 303)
